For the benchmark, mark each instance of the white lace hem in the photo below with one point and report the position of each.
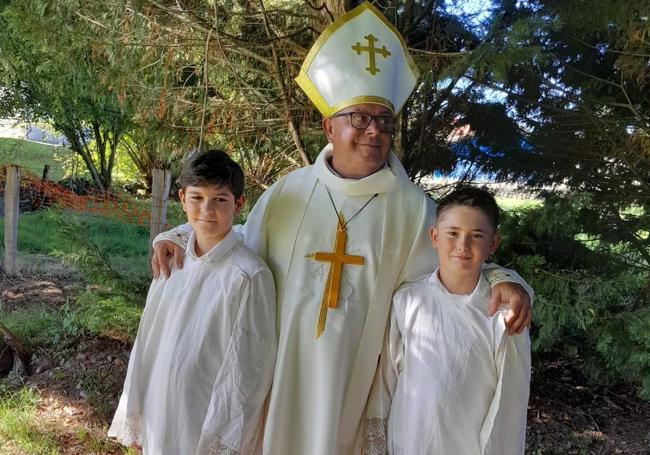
(374, 437)
(217, 447)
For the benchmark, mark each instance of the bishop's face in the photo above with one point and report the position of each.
(357, 153)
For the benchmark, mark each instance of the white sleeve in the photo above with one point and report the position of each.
(504, 428)
(496, 274)
(375, 437)
(395, 357)
(234, 422)
(179, 235)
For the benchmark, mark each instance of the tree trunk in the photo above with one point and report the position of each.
(12, 204)
(162, 179)
(6, 358)
(324, 12)
(21, 354)
(77, 147)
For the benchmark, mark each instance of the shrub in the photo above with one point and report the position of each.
(590, 297)
(37, 326)
(112, 304)
(110, 316)
(93, 260)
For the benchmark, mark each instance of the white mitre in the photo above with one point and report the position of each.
(359, 58)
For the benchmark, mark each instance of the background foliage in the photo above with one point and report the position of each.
(590, 304)
(550, 94)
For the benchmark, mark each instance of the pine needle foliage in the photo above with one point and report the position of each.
(590, 301)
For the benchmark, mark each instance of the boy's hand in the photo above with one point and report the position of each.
(518, 302)
(162, 251)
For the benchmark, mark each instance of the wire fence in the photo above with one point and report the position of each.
(37, 192)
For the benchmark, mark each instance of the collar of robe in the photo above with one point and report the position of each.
(476, 298)
(384, 180)
(217, 253)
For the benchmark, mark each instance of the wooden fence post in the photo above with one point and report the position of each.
(12, 203)
(160, 185)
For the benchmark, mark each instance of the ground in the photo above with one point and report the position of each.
(78, 383)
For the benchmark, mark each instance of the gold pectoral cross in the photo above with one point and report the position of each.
(333, 285)
(371, 50)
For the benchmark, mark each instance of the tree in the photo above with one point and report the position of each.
(583, 110)
(226, 72)
(58, 80)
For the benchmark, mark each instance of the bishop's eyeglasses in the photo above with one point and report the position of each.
(362, 120)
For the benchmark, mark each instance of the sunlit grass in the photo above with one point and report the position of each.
(17, 423)
(511, 203)
(34, 156)
(37, 326)
(39, 232)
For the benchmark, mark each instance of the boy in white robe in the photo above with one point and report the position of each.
(458, 383)
(203, 359)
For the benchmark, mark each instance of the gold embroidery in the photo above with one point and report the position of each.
(371, 50)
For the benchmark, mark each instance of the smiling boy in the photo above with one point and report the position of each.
(203, 359)
(458, 383)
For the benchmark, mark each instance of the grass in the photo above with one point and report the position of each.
(33, 156)
(17, 427)
(512, 203)
(110, 316)
(20, 430)
(40, 233)
(40, 326)
(98, 311)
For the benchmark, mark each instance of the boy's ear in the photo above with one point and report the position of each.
(433, 233)
(181, 196)
(496, 239)
(239, 204)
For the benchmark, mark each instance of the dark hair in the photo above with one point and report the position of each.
(471, 196)
(213, 167)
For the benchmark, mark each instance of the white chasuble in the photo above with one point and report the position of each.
(321, 385)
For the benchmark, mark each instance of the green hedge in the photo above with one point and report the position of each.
(591, 293)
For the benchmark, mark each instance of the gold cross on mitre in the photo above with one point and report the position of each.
(371, 50)
(333, 285)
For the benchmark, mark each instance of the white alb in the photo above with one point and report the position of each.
(202, 363)
(458, 383)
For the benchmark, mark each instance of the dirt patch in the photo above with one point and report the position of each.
(79, 386)
(15, 295)
(42, 281)
(79, 389)
(78, 380)
(568, 414)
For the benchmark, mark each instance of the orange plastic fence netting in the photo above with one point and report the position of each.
(39, 192)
